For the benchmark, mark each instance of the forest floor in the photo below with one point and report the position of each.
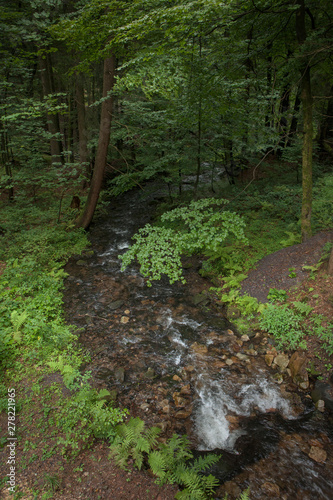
(91, 475)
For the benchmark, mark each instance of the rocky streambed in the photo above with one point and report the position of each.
(168, 354)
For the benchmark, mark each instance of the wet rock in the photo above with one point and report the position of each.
(317, 454)
(183, 414)
(189, 368)
(119, 374)
(104, 373)
(232, 489)
(115, 305)
(186, 390)
(199, 348)
(218, 323)
(242, 357)
(163, 425)
(178, 400)
(298, 369)
(233, 312)
(81, 262)
(269, 358)
(150, 374)
(320, 405)
(323, 391)
(278, 377)
(200, 298)
(218, 364)
(270, 489)
(281, 361)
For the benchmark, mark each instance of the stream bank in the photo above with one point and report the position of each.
(168, 354)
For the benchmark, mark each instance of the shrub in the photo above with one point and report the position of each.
(284, 325)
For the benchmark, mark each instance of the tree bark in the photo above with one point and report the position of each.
(103, 144)
(81, 121)
(45, 66)
(330, 264)
(307, 104)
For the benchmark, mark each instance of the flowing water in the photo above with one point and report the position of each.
(180, 365)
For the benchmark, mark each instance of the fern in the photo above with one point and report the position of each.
(68, 372)
(18, 321)
(132, 440)
(171, 465)
(302, 308)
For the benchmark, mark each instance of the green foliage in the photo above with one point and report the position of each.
(302, 308)
(193, 229)
(133, 440)
(284, 325)
(170, 463)
(275, 295)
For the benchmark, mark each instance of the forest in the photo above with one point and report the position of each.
(214, 120)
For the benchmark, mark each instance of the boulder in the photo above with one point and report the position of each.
(324, 391)
(298, 369)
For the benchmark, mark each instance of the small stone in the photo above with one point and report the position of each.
(245, 338)
(115, 305)
(229, 362)
(179, 401)
(317, 454)
(186, 389)
(320, 405)
(271, 489)
(230, 332)
(252, 352)
(81, 262)
(278, 378)
(242, 357)
(119, 374)
(124, 319)
(282, 361)
(176, 378)
(150, 374)
(189, 368)
(127, 311)
(183, 414)
(199, 348)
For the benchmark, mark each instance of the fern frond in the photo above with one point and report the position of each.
(203, 463)
(158, 464)
(18, 319)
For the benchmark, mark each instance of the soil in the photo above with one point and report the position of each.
(92, 475)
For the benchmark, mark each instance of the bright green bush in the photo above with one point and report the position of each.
(186, 230)
(284, 325)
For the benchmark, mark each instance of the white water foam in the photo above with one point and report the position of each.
(219, 398)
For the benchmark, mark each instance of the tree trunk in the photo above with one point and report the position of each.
(81, 121)
(307, 103)
(45, 66)
(326, 128)
(330, 264)
(103, 144)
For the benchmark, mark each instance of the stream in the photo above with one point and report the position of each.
(168, 354)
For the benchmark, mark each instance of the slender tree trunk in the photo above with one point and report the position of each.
(326, 128)
(46, 73)
(103, 144)
(330, 264)
(81, 121)
(307, 104)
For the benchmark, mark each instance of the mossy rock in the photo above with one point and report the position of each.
(233, 312)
